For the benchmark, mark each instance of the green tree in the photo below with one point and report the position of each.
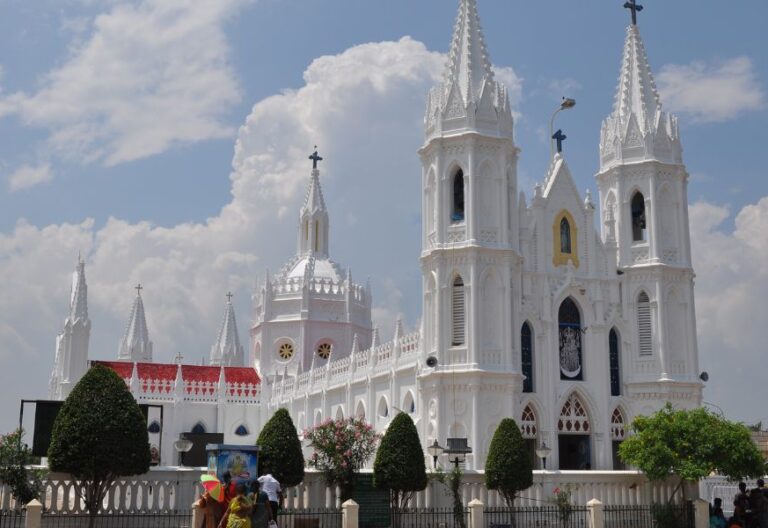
(99, 435)
(508, 467)
(280, 452)
(341, 449)
(25, 485)
(690, 445)
(399, 465)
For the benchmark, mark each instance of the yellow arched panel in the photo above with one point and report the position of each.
(559, 257)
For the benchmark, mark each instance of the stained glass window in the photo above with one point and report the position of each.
(569, 320)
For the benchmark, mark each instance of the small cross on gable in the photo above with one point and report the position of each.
(559, 137)
(633, 6)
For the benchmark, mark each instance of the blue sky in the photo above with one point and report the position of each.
(167, 141)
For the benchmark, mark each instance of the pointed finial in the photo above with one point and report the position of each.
(138, 289)
(633, 6)
(315, 157)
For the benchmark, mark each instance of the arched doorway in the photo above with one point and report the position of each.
(574, 438)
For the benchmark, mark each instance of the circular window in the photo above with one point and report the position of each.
(324, 350)
(286, 351)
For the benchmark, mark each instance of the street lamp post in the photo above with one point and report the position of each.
(457, 450)
(435, 450)
(182, 445)
(566, 104)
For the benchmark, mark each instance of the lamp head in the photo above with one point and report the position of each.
(567, 103)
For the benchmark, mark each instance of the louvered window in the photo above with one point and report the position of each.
(613, 356)
(458, 309)
(645, 335)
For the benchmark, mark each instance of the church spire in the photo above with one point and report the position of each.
(78, 302)
(469, 98)
(227, 350)
(638, 129)
(313, 217)
(72, 343)
(469, 67)
(135, 345)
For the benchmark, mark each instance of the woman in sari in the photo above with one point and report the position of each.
(238, 513)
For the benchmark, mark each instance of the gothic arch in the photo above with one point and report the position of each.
(644, 322)
(570, 340)
(382, 410)
(409, 403)
(457, 179)
(340, 412)
(529, 421)
(199, 427)
(360, 410)
(458, 311)
(587, 401)
(638, 216)
(528, 355)
(565, 248)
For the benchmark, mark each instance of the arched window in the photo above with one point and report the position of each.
(409, 405)
(569, 320)
(613, 358)
(241, 431)
(644, 332)
(530, 432)
(526, 356)
(457, 212)
(618, 434)
(199, 428)
(360, 410)
(383, 408)
(638, 217)
(154, 427)
(565, 236)
(458, 318)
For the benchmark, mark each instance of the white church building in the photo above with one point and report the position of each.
(530, 310)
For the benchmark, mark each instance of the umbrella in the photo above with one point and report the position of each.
(213, 486)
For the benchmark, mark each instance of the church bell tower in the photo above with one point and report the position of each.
(469, 253)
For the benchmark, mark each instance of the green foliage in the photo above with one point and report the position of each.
(99, 435)
(25, 485)
(561, 498)
(452, 481)
(508, 467)
(342, 448)
(399, 465)
(280, 452)
(691, 445)
(667, 515)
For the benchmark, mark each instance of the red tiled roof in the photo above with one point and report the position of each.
(167, 372)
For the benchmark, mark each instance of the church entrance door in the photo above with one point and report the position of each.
(574, 452)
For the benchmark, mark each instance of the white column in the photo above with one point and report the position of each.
(476, 512)
(34, 514)
(595, 515)
(349, 514)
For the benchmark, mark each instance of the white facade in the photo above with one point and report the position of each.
(529, 310)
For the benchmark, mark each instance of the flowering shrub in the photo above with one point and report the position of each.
(562, 499)
(342, 447)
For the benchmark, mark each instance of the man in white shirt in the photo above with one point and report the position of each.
(271, 487)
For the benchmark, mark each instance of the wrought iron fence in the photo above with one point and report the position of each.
(309, 518)
(537, 517)
(412, 518)
(650, 516)
(12, 518)
(119, 520)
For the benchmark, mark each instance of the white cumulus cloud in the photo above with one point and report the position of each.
(28, 176)
(712, 92)
(150, 75)
(731, 288)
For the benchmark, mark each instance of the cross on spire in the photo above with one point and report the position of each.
(633, 6)
(559, 137)
(138, 289)
(315, 158)
(178, 358)
(229, 296)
